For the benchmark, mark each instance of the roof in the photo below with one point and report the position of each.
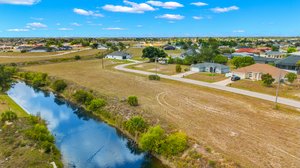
(258, 58)
(289, 61)
(275, 53)
(207, 64)
(248, 50)
(263, 68)
(41, 48)
(119, 53)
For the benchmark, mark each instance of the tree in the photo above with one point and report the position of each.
(174, 144)
(267, 79)
(178, 68)
(94, 45)
(6, 74)
(96, 104)
(83, 97)
(275, 48)
(220, 59)
(151, 140)
(136, 124)
(291, 50)
(59, 85)
(291, 77)
(133, 101)
(152, 53)
(239, 62)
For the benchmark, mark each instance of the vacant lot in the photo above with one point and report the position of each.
(168, 69)
(136, 53)
(246, 130)
(207, 77)
(45, 57)
(285, 90)
(176, 52)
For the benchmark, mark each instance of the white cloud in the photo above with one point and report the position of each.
(65, 29)
(238, 31)
(57, 24)
(166, 5)
(139, 25)
(19, 2)
(199, 4)
(36, 25)
(222, 10)
(75, 24)
(18, 30)
(170, 17)
(39, 19)
(86, 13)
(132, 8)
(113, 28)
(198, 17)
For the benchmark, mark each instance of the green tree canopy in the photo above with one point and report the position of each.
(291, 49)
(153, 52)
(291, 77)
(174, 144)
(6, 74)
(220, 59)
(136, 124)
(239, 62)
(151, 140)
(267, 79)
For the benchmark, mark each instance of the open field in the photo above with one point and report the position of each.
(176, 52)
(288, 91)
(247, 130)
(80, 53)
(136, 53)
(168, 69)
(30, 53)
(207, 77)
(6, 103)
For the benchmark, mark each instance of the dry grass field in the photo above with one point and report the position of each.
(207, 77)
(136, 53)
(244, 129)
(45, 57)
(285, 90)
(168, 69)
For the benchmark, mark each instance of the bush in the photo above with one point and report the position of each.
(154, 77)
(291, 77)
(178, 68)
(133, 101)
(136, 124)
(267, 79)
(36, 78)
(96, 104)
(83, 97)
(212, 163)
(59, 85)
(77, 57)
(152, 139)
(40, 133)
(8, 116)
(174, 144)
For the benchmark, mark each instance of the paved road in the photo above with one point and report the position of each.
(284, 101)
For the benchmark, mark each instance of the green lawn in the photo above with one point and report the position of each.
(168, 69)
(207, 77)
(6, 103)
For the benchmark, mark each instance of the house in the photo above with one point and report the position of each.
(65, 48)
(101, 47)
(248, 50)
(169, 48)
(264, 60)
(210, 67)
(42, 49)
(275, 54)
(190, 52)
(118, 55)
(255, 71)
(289, 63)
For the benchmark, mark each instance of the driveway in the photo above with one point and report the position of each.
(181, 75)
(224, 82)
(285, 101)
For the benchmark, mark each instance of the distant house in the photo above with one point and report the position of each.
(65, 48)
(169, 48)
(242, 54)
(289, 63)
(210, 67)
(264, 60)
(190, 52)
(101, 47)
(255, 71)
(248, 50)
(42, 49)
(275, 54)
(118, 55)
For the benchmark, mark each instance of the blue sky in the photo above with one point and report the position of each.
(139, 18)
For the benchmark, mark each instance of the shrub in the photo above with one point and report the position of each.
(59, 85)
(212, 163)
(152, 139)
(96, 104)
(77, 57)
(37, 79)
(8, 116)
(291, 77)
(136, 124)
(174, 144)
(133, 101)
(40, 133)
(178, 68)
(154, 77)
(83, 97)
(267, 79)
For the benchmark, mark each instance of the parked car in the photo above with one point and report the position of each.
(235, 78)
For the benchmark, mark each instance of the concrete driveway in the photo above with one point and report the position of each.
(285, 101)
(224, 82)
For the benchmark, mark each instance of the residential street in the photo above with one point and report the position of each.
(284, 101)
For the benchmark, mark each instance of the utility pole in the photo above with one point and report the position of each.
(277, 90)
(156, 65)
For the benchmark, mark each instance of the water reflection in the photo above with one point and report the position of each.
(82, 140)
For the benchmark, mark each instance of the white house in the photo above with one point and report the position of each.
(210, 67)
(119, 55)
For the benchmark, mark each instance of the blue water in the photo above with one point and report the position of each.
(84, 142)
